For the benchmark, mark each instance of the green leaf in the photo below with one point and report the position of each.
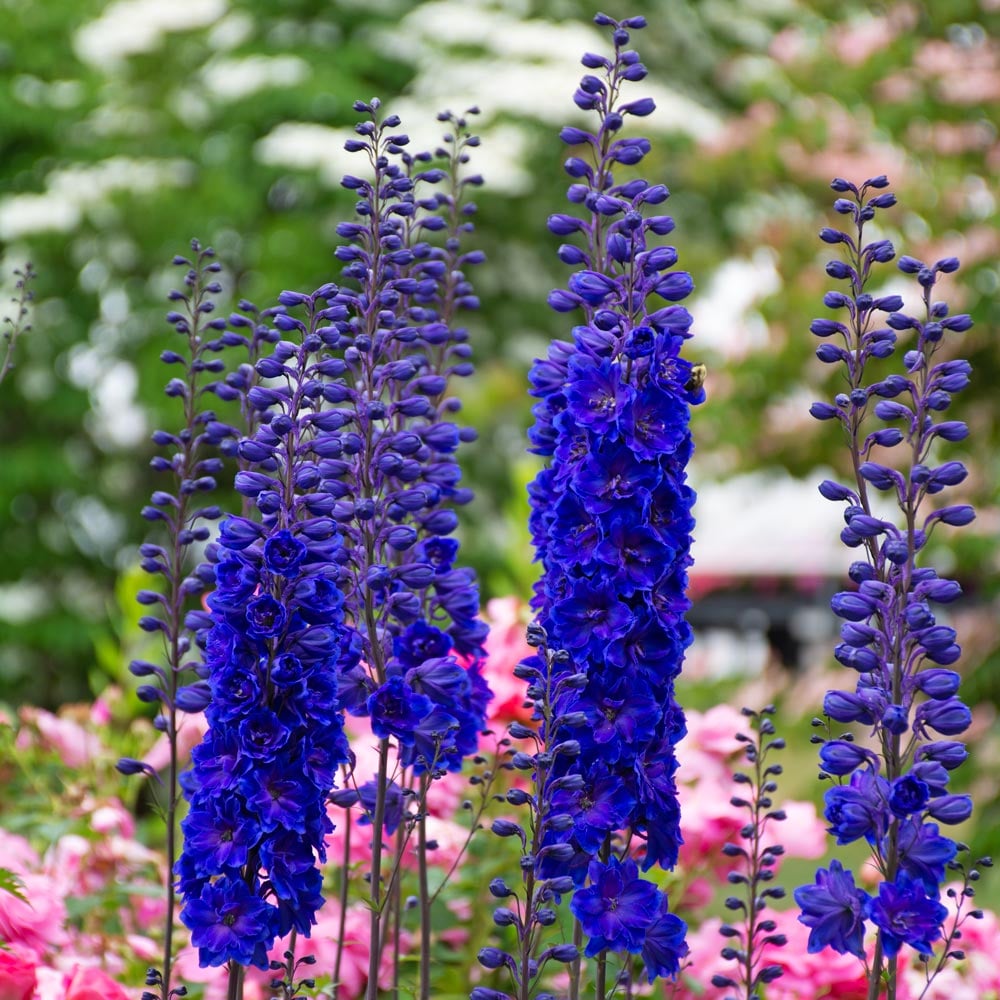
(9, 882)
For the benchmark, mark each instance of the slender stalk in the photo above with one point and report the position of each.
(423, 892)
(234, 990)
(576, 966)
(601, 972)
(17, 325)
(378, 823)
(344, 894)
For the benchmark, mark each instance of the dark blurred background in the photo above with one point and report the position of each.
(126, 128)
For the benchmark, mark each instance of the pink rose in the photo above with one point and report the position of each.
(92, 984)
(67, 738)
(506, 646)
(37, 925)
(17, 977)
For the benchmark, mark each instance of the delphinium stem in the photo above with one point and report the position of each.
(576, 966)
(345, 889)
(423, 891)
(757, 860)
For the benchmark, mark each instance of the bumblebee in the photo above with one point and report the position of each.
(697, 378)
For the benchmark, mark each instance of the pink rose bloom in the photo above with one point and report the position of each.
(18, 978)
(714, 731)
(50, 984)
(709, 821)
(18, 855)
(803, 833)
(708, 749)
(67, 738)
(100, 712)
(92, 984)
(189, 734)
(506, 646)
(38, 925)
(112, 817)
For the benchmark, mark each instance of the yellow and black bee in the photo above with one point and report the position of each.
(697, 378)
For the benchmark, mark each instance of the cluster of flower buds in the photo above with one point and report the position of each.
(611, 518)
(755, 862)
(258, 788)
(892, 790)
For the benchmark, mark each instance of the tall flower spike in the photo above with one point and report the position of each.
(393, 347)
(894, 791)
(611, 514)
(254, 834)
(193, 463)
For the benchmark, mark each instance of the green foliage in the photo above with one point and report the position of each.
(13, 884)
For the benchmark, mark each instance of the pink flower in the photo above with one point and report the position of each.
(38, 925)
(18, 978)
(189, 734)
(802, 832)
(67, 738)
(505, 648)
(92, 984)
(18, 855)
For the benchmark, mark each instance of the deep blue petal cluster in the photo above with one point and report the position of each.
(611, 513)
(254, 833)
(889, 793)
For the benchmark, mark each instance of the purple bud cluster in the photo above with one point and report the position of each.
(258, 787)
(193, 464)
(611, 518)
(894, 791)
(389, 461)
(757, 855)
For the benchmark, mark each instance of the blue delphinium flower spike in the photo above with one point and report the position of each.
(611, 513)
(891, 790)
(258, 787)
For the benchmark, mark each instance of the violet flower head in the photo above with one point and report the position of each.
(833, 909)
(192, 463)
(891, 790)
(611, 513)
(255, 830)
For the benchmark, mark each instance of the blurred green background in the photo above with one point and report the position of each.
(128, 127)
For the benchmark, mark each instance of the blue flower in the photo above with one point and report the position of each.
(924, 854)
(890, 636)
(396, 709)
(834, 909)
(617, 908)
(905, 914)
(664, 946)
(858, 809)
(230, 923)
